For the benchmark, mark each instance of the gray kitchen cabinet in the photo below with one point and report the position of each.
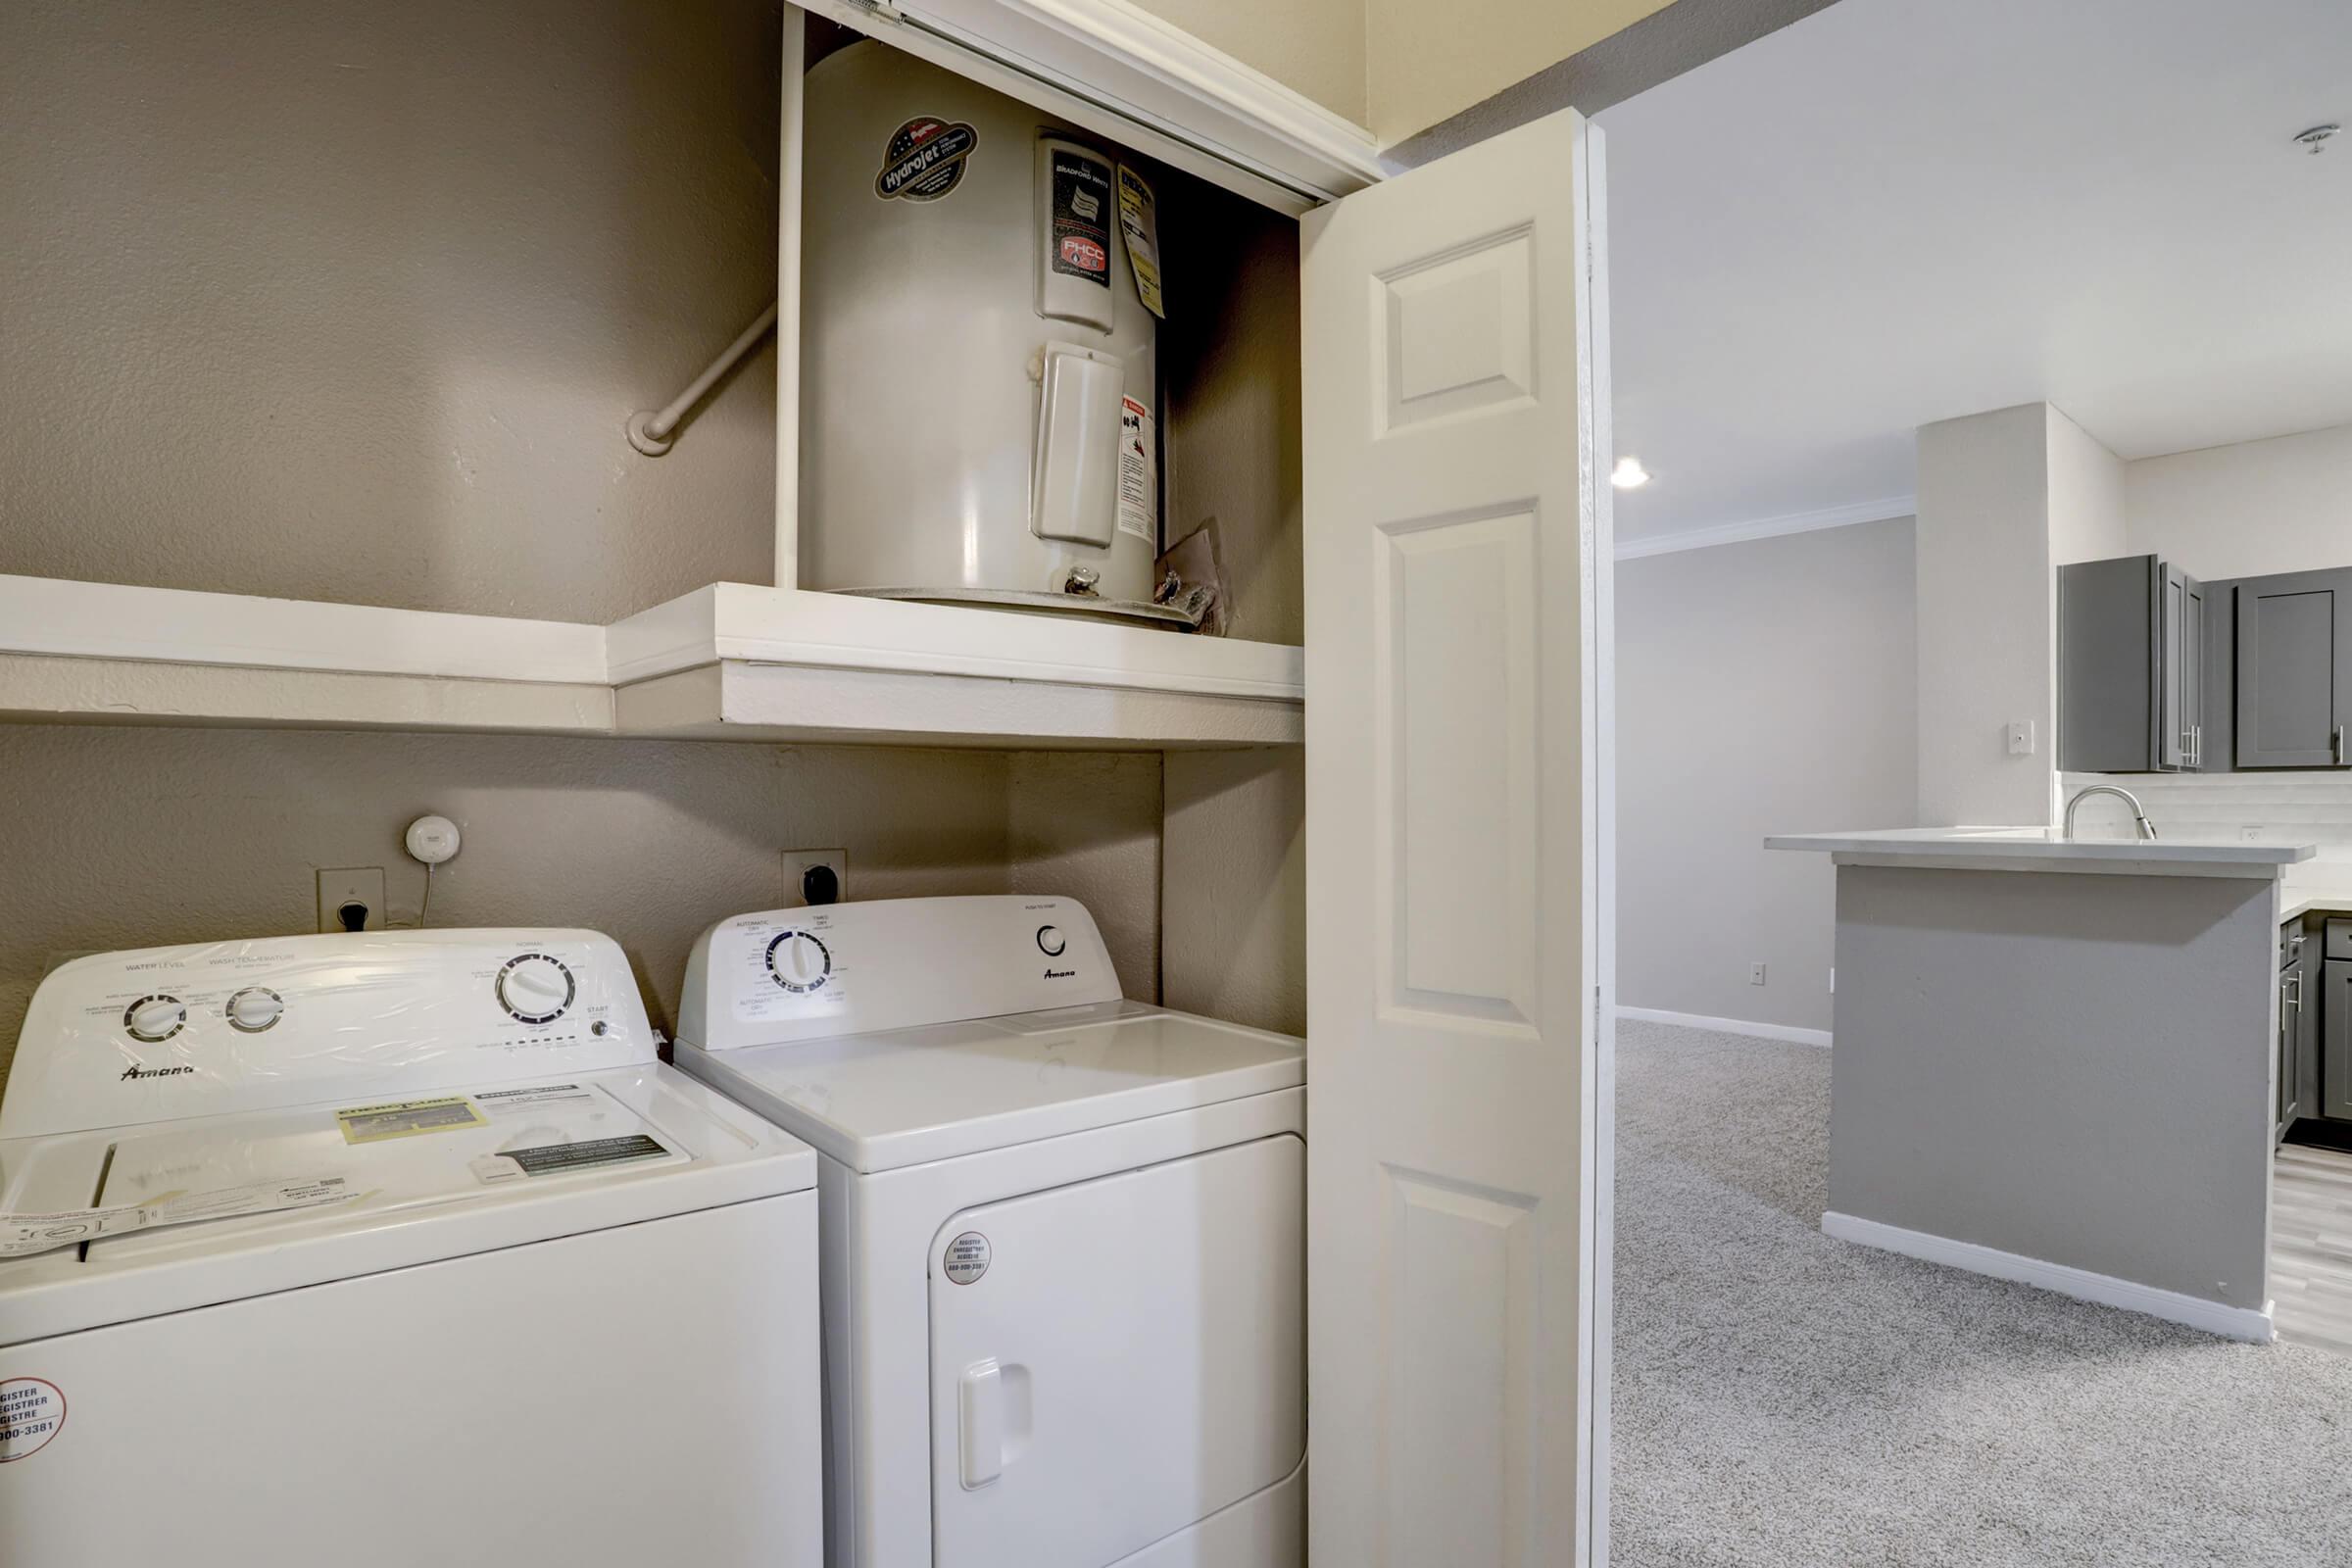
(2180, 674)
(2131, 666)
(2309, 980)
(2335, 1022)
(2299, 1007)
(2294, 669)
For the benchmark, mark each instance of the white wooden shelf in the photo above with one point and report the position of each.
(731, 662)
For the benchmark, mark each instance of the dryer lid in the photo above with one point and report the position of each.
(877, 1101)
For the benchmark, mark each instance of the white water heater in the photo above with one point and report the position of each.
(979, 404)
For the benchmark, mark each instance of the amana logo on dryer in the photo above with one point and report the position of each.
(135, 1070)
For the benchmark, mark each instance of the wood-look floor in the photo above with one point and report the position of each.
(2311, 1247)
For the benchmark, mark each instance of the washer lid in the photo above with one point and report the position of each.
(398, 1154)
(381, 1185)
(877, 1101)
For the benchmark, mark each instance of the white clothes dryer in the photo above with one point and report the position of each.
(374, 1249)
(1063, 1234)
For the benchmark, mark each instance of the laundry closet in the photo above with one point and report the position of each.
(1030, 610)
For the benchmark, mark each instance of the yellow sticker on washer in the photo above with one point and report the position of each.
(406, 1118)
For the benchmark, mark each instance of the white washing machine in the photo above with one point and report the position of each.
(1065, 1235)
(375, 1250)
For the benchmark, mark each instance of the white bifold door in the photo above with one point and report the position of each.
(1454, 530)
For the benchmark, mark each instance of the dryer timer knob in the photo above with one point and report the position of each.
(535, 988)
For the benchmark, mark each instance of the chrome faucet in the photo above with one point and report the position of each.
(2142, 826)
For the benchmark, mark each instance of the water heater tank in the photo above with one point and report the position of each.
(978, 398)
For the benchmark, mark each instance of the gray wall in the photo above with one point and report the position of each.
(351, 301)
(2072, 1068)
(131, 837)
(1765, 687)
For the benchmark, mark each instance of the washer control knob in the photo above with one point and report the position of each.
(254, 1009)
(535, 988)
(154, 1018)
(799, 960)
(1051, 940)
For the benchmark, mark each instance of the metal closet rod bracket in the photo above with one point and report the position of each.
(655, 431)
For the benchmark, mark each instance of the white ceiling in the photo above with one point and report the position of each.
(1902, 211)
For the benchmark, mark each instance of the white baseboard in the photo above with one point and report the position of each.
(2230, 1322)
(1788, 1033)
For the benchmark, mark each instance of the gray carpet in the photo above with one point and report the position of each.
(1782, 1399)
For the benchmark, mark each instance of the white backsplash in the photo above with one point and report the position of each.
(2232, 808)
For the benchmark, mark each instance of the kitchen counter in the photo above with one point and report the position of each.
(2035, 849)
(2296, 903)
(2062, 1078)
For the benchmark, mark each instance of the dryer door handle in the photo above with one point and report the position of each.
(980, 1404)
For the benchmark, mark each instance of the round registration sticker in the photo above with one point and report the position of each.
(32, 1412)
(967, 1257)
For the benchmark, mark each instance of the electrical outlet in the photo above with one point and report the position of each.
(2249, 835)
(1755, 975)
(798, 862)
(362, 884)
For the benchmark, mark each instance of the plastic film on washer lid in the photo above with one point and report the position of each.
(121, 1039)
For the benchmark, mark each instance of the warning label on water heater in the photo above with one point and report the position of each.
(1082, 207)
(1139, 489)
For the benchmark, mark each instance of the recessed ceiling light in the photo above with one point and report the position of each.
(1628, 474)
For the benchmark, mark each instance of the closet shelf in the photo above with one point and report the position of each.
(730, 662)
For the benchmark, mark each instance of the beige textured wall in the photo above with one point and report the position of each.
(132, 837)
(350, 301)
(1313, 47)
(1234, 413)
(1424, 63)
(1087, 826)
(1398, 67)
(1233, 902)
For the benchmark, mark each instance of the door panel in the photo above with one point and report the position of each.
(2307, 1030)
(1451, 530)
(1114, 1361)
(2335, 1022)
(2291, 648)
(1454, 610)
(2193, 631)
(2172, 673)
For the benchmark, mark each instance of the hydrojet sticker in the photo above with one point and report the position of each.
(925, 158)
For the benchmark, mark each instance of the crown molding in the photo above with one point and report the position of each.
(1732, 533)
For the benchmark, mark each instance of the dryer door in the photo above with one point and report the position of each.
(1114, 1360)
